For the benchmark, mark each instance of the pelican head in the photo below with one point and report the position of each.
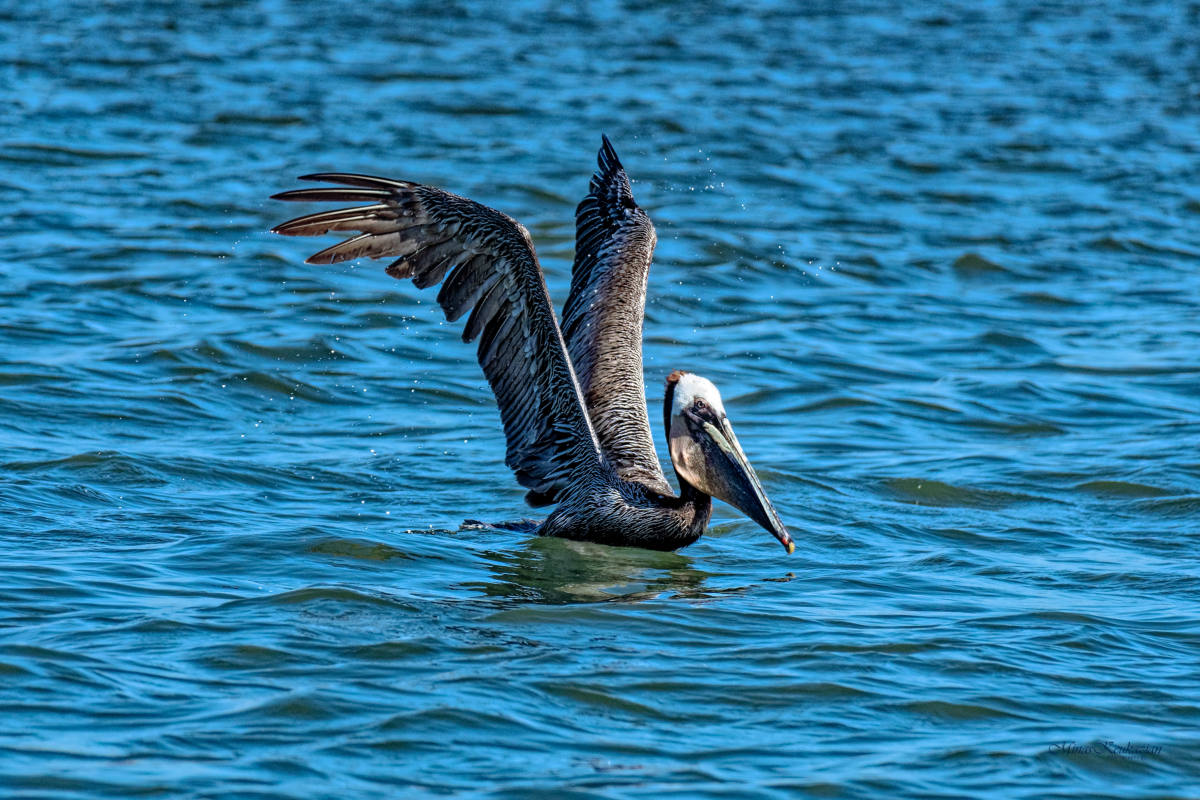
(707, 455)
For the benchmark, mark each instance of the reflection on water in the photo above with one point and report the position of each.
(549, 570)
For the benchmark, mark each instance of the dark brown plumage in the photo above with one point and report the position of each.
(493, 272)
(573, 408)
(602, 319)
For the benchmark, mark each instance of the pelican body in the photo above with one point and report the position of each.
(571, 399)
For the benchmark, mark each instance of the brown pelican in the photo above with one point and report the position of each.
(572, 400)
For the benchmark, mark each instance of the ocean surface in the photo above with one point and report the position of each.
(942, 260)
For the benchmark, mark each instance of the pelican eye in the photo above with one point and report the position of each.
(700, 404)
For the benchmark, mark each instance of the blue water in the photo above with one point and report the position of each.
(942, 262)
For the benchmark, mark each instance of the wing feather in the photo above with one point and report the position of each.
(486, 263)
(602, 319)
(464, 286)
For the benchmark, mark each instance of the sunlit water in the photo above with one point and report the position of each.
(943, 264)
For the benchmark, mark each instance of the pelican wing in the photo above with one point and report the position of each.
(602, 320)
(489, 268)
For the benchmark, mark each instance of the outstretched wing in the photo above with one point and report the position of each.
(602, 320)
(492, 272)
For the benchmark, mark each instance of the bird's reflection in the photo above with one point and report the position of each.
(552, 570)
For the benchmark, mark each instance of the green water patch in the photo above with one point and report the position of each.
(1123, 489)
(926, 492)
(357, 548)
(973, 265)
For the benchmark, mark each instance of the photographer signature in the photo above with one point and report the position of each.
(1107, 748)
